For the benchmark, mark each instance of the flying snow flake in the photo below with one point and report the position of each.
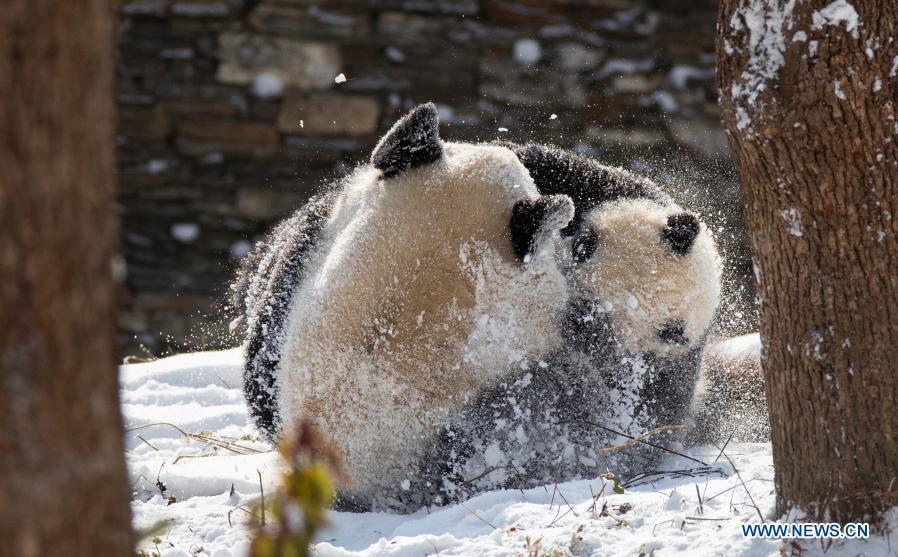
(157, 166)
(447, 113)
(340, 79)
(680, 75)
(835, 14)
(240, 248)
(394, 54)
(664, 100)
(553, 117)
(185, 232)
(214, 157)
(527, 51)
(503, 129)
(267, 86)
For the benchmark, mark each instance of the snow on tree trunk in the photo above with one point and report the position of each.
(808, 95)
(63, 483)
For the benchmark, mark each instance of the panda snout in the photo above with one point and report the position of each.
(673, 333)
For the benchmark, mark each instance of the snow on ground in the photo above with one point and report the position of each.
(205, 479)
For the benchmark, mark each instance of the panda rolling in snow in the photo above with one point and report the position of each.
(645, 281)
(427, 318)
(380, 309)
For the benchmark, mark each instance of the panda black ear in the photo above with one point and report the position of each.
(532, 220)
(412, 141)
(680, 232)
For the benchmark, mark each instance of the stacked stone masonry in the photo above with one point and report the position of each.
(230, 116)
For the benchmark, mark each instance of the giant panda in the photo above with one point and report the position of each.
(645, 276)
(618, 369)
(380, 308)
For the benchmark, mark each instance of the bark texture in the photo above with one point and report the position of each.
(808, 97)
(63, 483)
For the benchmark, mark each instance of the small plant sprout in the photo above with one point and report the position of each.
(299, 507)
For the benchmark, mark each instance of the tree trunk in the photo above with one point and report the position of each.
(63, 484)
(808, 98)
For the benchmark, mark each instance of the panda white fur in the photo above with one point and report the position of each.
(378, 310)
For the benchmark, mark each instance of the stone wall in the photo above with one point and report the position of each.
(231, 115)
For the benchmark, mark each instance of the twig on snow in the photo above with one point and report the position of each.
(640, 440)
(738, 475)
(478, 517)
(262, 491)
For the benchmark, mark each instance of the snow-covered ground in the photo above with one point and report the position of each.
(196, 460)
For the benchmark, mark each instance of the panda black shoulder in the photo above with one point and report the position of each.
(586, 181)
(265, 286)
